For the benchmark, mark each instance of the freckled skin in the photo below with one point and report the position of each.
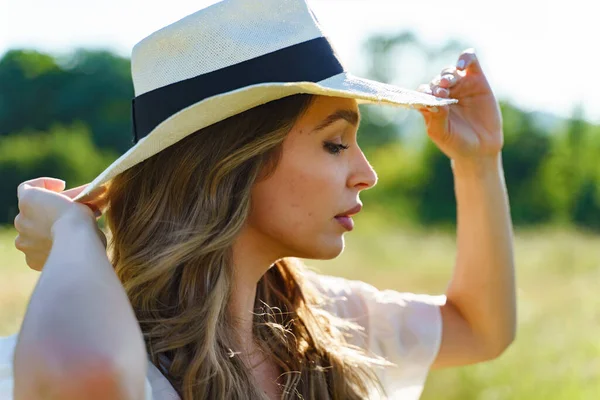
(293, 210)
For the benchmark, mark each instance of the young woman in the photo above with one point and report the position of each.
(245, 159)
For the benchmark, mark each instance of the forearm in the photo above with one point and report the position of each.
(79, 317)
(483, 284)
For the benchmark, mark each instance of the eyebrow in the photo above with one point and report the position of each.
(349, 115)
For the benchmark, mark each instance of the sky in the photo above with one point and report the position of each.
(541, 55)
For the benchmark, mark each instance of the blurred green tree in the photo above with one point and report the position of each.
(430, 189)
(65, 152)
(570, 173)
(37, 90)
(550, 166)
(526, 146)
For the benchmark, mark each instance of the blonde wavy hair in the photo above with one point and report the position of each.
(172, 221)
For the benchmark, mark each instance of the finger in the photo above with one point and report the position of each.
(74, 191)
(91, 196)
(56, 185)
(98, 203)
(440, 92)
(20, 243)
(449, 78)
(426, 111)
(28, 230)
(18, 222)
(436, 80)
(468, 61)
(30, 246)
(447, 81)
(433, 91)
(24, 245)
(21, 189)
(35, 261)
(436, 121)
(448, 70)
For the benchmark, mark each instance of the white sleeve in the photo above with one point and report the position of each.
(147, 389)
(405, 328)
(7, 349)
(158, 386)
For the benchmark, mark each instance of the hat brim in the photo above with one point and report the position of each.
(222, 106)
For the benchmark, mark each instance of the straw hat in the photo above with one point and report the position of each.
(228, 58)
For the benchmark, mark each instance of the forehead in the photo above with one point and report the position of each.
(323, 106)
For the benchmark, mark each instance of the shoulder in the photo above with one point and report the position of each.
(353, 296)
(403, 327)
(338, 295)
(383, 313)
(7, 348)
(158, 385)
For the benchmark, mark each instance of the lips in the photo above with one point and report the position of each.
(353, 211)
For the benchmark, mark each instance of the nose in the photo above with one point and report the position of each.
(363, 176)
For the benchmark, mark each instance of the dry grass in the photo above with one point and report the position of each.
(557, 351)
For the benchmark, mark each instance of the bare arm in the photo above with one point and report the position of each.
(479, 317)
(79, 335)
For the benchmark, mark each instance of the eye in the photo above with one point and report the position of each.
(335, 148)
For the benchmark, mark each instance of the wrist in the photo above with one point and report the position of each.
(477, 167)
(73, 220)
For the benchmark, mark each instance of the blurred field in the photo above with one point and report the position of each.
(557, 351)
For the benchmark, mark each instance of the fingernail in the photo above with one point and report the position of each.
(97, 213)
(460, 64)
(433, 109)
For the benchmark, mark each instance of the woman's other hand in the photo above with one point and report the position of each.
(471, 129)
(42, 202)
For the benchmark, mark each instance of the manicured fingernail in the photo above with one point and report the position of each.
(433, 109)
(460, 64)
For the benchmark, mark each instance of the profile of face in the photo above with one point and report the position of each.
(317, 178)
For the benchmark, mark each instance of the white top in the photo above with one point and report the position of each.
(404, 328)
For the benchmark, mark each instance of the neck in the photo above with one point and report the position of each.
(251, 261)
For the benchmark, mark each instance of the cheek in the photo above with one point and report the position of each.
(296, 198)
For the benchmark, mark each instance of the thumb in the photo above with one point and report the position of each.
(71, 193)
(436, 120)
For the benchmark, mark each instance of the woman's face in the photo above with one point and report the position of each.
(294, 210)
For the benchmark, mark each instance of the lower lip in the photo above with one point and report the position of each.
(346, 222)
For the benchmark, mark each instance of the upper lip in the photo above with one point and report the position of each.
(348, 213)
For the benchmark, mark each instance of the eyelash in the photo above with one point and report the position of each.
(335, 148)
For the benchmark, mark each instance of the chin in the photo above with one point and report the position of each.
(326, 249)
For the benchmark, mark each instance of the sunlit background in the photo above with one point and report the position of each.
(64, 112)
